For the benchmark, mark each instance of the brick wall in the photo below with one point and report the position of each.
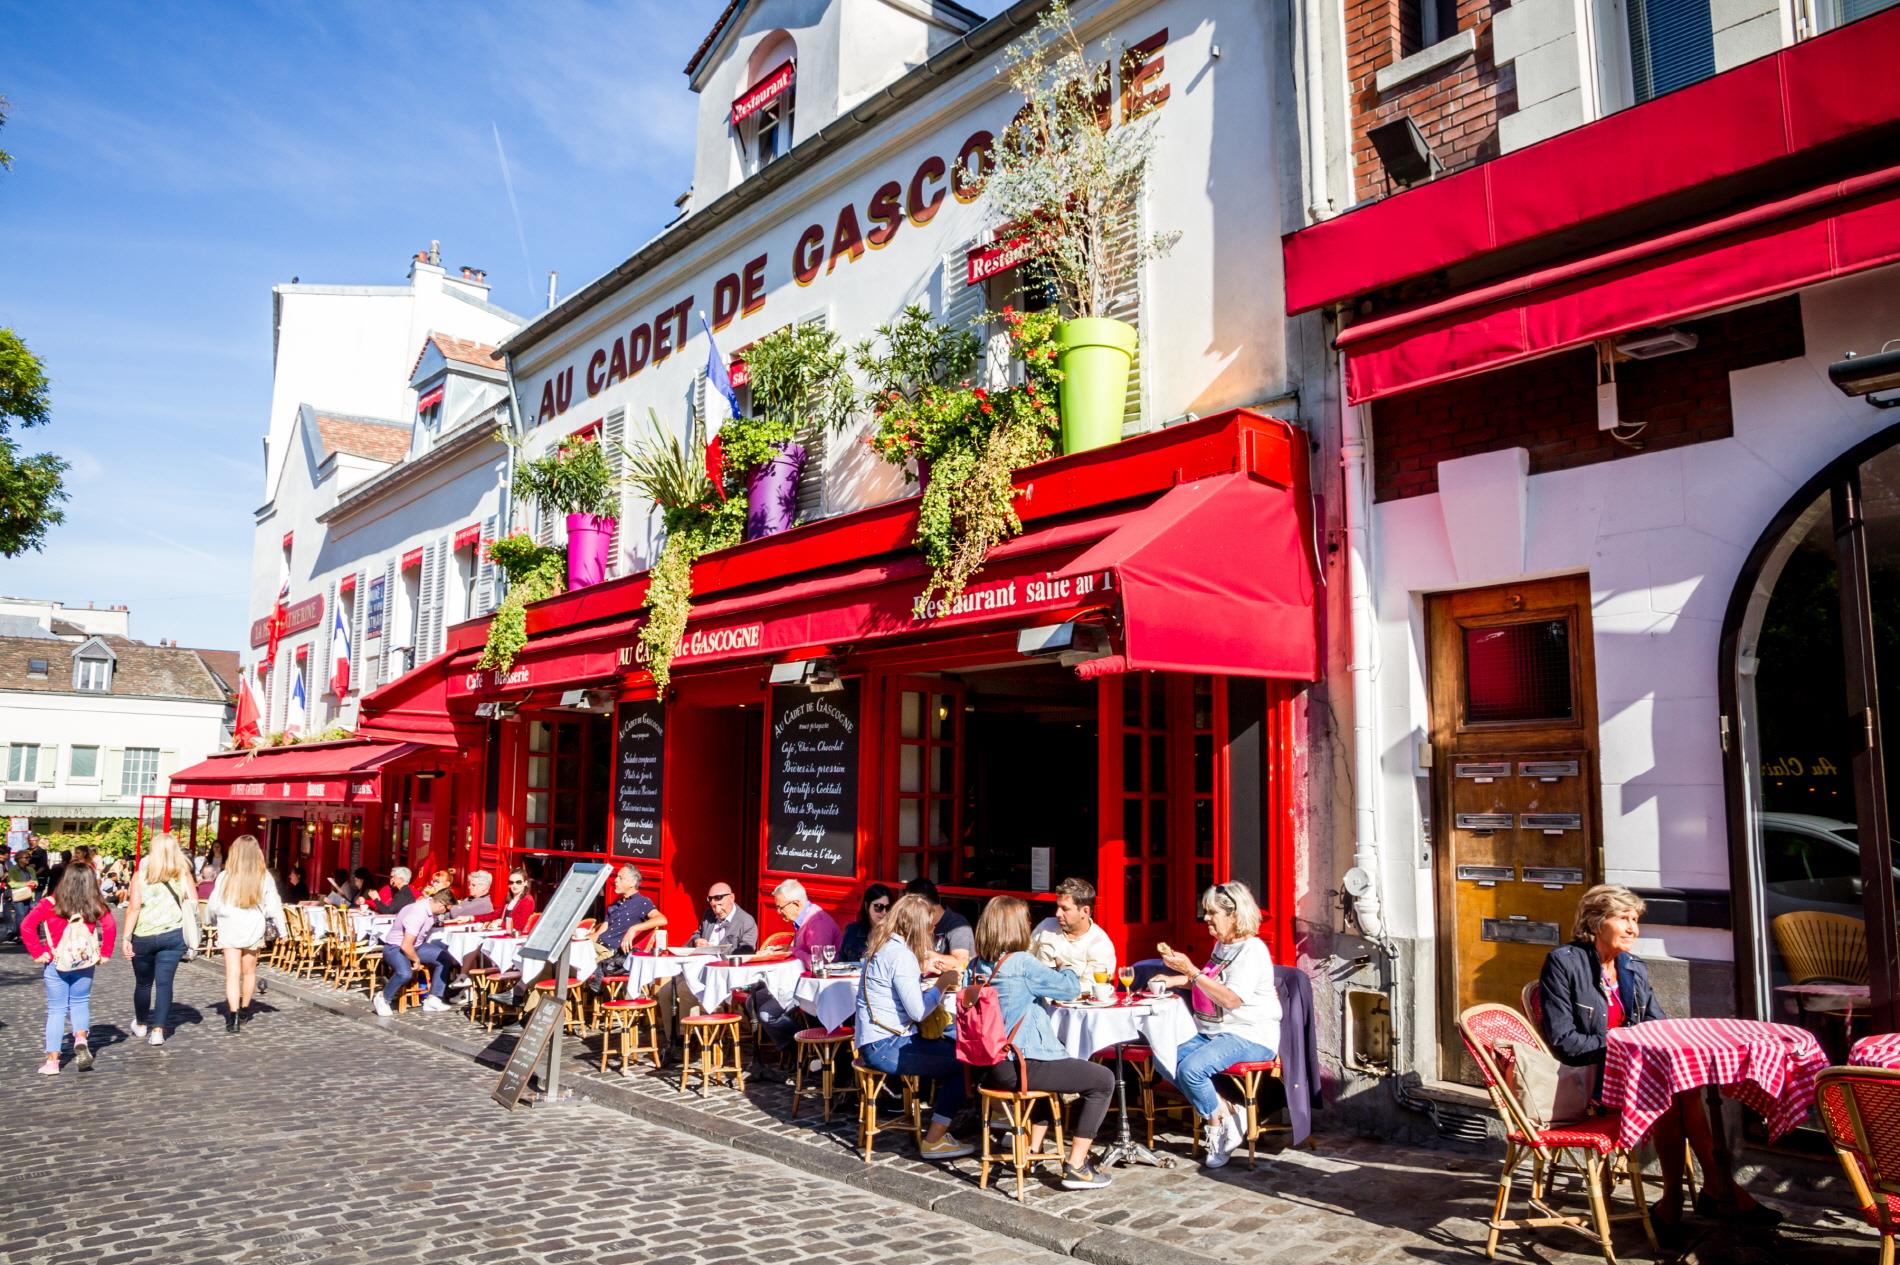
(1549, 405)
(1456, 105)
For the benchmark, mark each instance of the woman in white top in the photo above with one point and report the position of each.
(242, 901)
(1236, 1011)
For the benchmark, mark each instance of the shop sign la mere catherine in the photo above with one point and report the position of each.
(912, 198)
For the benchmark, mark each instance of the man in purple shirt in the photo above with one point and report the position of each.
(811, 927)
(405, 950)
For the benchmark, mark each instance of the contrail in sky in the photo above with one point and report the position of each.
(521, 236)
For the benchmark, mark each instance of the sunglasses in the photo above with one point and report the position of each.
(719, 896)
(879, 906)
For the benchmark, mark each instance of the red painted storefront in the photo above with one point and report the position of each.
(1159, 763)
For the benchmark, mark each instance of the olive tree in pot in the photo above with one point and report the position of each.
(575, 479)
(1066, 172)
(801, 386)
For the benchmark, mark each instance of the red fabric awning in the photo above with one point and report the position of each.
(468, 537)
(350, 772)
(1833, 230)
(429, 399)
(412, 560)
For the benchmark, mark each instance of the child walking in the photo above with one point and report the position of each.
(69, 933)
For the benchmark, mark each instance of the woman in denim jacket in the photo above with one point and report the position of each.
(892, 1003)
(1002, 949)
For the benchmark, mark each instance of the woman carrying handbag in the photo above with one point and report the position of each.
(162, 920)
(243, 902)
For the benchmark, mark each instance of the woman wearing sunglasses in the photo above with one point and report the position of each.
(518, 906)
(1236, 1011)
(871, 911)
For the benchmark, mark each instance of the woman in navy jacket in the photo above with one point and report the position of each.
(1596, 983)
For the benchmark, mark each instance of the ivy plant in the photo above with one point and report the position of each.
(535, 572)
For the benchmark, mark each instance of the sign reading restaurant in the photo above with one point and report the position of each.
(763, 93)
(911, 198)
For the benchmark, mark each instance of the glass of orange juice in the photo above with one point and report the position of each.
(1127, 977)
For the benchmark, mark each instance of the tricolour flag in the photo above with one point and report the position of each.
(718, 376)
(339, 654)
(294, 714)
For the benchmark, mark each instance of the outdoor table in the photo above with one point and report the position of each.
(711, 980)
(1880, 1050)
(505, 952)
(644, 970)
(366, 923)
(1769, 1067)
(832, 999)
(463, 943)
(1841, 999)
(1163, 1023)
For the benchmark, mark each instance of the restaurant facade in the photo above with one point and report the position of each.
(1122, 693)
(1613, 411)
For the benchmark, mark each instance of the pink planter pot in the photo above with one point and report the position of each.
(772, 493)
(590, 539)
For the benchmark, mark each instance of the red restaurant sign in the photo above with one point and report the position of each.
(760, 94)
(740, 375)
(305, 614)
(1012, 248)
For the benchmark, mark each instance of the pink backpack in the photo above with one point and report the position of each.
(981, 1038)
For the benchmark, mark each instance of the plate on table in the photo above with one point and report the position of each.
(1085, 1003)
(689, 951)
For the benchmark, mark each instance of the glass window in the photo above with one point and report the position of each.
(1672, 45)
(23, 762)
(85, 762)
(93, 675)
(140, 774)
(1518, 672)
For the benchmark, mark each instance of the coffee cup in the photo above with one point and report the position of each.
(1104, 992)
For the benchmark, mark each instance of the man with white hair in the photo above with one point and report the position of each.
(395, 896)
(812, 926)
(478, 903)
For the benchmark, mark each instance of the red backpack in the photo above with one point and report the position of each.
(981, 1038)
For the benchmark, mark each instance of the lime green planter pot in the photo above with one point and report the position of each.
(1094, 356)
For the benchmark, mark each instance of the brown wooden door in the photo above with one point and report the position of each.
(1515, 787)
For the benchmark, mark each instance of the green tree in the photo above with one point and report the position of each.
(30, 487)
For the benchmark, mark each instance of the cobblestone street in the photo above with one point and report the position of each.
(323, 1134)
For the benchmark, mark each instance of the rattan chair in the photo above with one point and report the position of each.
(1860, 1107)
(1589, 1143)
(1018, 1106)
(1822, 947)
(870, 1089)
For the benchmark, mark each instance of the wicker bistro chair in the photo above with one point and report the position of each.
(714, 1039)
(1860, 1107)
(910, 1115)
(819, 1049)
(1246, 1079)
(1018, 1106)
(631, 1023)
(1590, 1143)
(1818, 946)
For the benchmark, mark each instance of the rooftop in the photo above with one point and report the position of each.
(139, 670)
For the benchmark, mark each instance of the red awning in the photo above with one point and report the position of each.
(468, 537)
(350, 772)
(429, 400)
(412, 560)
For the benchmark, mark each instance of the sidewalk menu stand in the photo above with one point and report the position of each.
(547, 944)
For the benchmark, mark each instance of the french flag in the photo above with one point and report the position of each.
(294, 715)
(339, 654)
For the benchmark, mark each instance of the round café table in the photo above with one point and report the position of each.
(833, 999)
(1769, 1067)
(1162, 1023)
(1880, 1050)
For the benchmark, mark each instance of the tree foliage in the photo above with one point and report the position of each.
(31, 489)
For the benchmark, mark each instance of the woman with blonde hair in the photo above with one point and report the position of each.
(162, 918)
(892, 1003)
(243, 900)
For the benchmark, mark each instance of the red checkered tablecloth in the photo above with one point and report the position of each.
(1770, 1067)
(1880, 1050)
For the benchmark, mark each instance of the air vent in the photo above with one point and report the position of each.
(1651, 343)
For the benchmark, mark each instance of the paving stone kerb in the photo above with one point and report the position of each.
(1350, 1199)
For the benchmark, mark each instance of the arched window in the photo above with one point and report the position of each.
(762, 114)
(1811, 709)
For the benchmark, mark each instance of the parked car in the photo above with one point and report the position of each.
(1811, 862)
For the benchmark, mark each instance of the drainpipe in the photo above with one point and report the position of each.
(1365, 749)
(1307, 15)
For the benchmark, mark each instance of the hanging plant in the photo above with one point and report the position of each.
(699, 517)
(917, 384)
(534, 572)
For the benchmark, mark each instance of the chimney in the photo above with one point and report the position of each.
(435, 253)
(552, 277)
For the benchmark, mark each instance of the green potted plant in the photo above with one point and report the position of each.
(1075, 183)
(574, 479)
(801, 385)
(699, 516)
(534, 572)
(917, 386)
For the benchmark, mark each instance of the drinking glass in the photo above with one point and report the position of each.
(1127, 977)
(1101, 975)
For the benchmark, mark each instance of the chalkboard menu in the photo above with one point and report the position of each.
(639, 778)
(812, 791)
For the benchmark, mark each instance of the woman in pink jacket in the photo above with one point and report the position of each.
(69, 961)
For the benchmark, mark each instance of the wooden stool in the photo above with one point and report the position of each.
(1017, 1107)
(1246, 1078)
(411, 994)
(634, 1021)
(571, 1020)
(870, 1087)
(494, 1006)
(717, 1036)
(481, 986)
(818, 1043)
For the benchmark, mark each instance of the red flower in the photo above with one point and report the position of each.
(989, 408)
(981, 394)
(1008, 309)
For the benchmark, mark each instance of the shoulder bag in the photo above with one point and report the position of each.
(194, 934)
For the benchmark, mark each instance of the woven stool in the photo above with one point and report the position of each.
(481, 984)
(497, 1005)
(716, 1036)
(818, 1043)
(634, 1021)
(571, 1018)
(1246, 1077)
(870, 1087)
(1017, 1107)
(411, 993)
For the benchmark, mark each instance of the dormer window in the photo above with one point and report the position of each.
(762, 112)
(36, 669)
(429, 408)
(92, 676)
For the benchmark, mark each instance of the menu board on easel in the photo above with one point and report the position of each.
(639, 778)
(812, 781)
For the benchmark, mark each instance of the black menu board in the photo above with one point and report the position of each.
(812, 787)
(639, 778)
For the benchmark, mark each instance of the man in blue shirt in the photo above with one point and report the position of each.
(631, 918)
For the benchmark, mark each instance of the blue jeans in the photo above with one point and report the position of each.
(912, 1055)
(155, 961)
(433, 956)
(67, 992)
(1201, 1058)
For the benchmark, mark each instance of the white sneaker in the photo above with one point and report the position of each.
(381, 1006)
(139, 1030)
(433, 1004)
(1219, 1140)
(156, 1038)
(50, 1068)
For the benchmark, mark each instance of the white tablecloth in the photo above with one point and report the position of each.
(832, 1000)
(1162, 1024)
(645, 970)
(463, 943)
(711, 981)
(370, 925)
(505, 953)
(317, 919)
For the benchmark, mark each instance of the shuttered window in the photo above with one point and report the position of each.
(485, 576)
(614, 435)
(1672, 45)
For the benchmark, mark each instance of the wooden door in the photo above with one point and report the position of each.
(1515, 787)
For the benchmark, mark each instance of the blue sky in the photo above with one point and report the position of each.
(172, 163)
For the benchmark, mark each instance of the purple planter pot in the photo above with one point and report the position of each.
(771, 494)
(590, 539)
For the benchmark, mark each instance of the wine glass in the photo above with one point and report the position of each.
(1127, 977)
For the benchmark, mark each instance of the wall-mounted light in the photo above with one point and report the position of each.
(817, 675)
(429, 775)
(497, 710)
(1068, 643)
(1403, 151)
(1864, 375)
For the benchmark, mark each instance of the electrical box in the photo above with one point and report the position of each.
(1368, 1030)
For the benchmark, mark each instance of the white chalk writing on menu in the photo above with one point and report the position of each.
(812, 803)
(639, 777)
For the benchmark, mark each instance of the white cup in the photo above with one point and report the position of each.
(1104, 992)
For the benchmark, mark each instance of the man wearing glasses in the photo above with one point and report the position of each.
(725, 927)
(812, 928)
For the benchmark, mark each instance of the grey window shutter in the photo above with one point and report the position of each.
(698, 427)
(485, 572)
(614, 435)
(817, 441)
(390, 600)
(49, 763)
(439, 624)
(1127, 306)
(112, 776)
(959, 303)
(329, 643)
(359, 605)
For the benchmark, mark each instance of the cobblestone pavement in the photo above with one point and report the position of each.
(310, 1138)
(1346, 1199)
